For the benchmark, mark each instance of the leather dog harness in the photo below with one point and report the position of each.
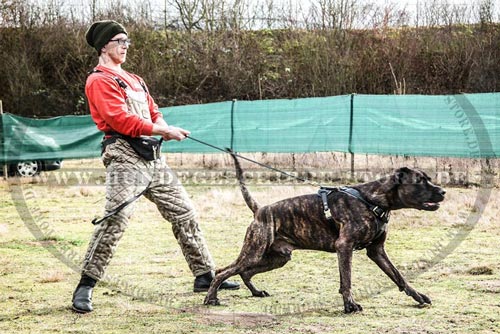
(381, 214)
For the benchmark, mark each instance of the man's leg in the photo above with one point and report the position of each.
(124, 179)
(175, 206)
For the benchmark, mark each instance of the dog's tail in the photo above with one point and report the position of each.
(252, 204)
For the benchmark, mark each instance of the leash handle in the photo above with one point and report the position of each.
(227, 150)
(120, 207)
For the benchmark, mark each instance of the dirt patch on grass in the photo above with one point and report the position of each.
(244, 319)
(43, 243)
(488, 286)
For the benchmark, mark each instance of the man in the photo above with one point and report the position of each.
(122, 108)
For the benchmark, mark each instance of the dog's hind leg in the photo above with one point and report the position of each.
(269, 262)
(242, 266)
(255, 245)
(221, 276)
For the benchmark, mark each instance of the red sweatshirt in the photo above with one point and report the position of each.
(108, 107)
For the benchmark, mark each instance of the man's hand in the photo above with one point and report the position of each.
(169, 132)
(176, 133)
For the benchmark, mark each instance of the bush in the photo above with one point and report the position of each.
(43, 68)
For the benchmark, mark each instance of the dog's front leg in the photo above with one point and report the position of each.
(378, 255)
(344, 255)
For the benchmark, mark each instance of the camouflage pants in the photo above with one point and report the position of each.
(126, 175)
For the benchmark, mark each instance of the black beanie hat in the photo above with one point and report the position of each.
(101, 32)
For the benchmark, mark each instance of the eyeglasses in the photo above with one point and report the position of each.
(125, 42)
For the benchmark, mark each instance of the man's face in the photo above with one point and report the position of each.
(117, 47)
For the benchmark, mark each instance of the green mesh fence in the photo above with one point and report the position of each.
(465, 125)
(456, 126)
(54, 138)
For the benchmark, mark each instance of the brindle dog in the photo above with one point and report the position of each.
(300, 223)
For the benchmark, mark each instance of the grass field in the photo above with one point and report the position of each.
(452, 255)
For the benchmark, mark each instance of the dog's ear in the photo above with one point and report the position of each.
(404, 170)
(388, 182)
(401, 174)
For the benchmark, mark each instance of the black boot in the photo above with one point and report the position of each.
(82, 297)
(202, 283)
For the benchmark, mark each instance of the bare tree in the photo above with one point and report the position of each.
(190, 12)
(225, 14)
(335, 14)
(486, 10)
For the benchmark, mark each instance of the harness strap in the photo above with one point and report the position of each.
(120, 82)
(379, 212)
(324, 192)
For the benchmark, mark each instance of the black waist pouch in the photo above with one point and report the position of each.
(148, 148)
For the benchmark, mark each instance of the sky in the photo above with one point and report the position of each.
(415, 8)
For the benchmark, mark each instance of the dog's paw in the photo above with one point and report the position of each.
(261, 294)
(423, 300)
(352, 307)
(420, 298)
(211, 301)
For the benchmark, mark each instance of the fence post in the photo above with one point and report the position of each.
(232, 123)
(5, 169)
(351, 120)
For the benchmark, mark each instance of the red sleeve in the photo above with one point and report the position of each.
(109, 109)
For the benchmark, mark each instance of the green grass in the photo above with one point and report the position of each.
(151, 289)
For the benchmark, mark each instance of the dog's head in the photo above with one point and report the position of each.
(414, 189)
